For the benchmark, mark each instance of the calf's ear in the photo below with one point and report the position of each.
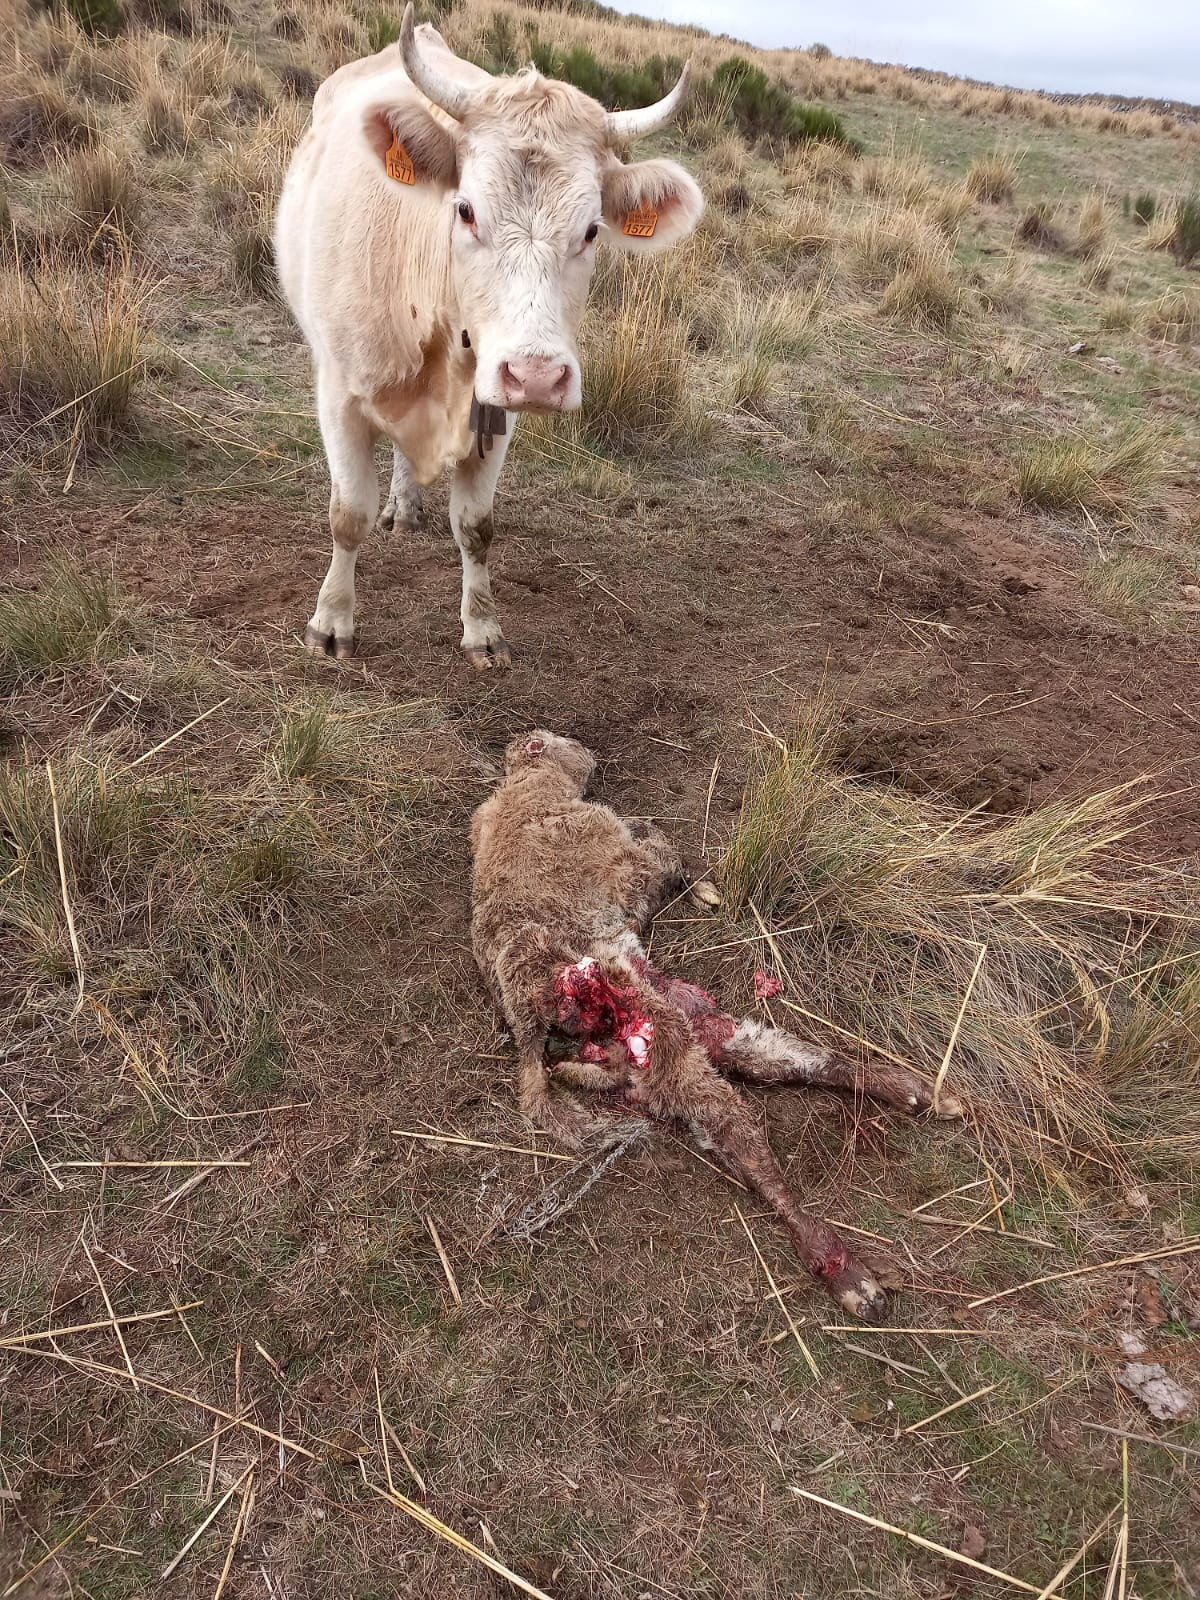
(650, 205)
(410, 146)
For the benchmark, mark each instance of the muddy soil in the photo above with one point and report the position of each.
(661, 630)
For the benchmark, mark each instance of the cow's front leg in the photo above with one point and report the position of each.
(472, 489)
(353, 502)
(402, 509)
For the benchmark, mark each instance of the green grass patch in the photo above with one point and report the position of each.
(75, 617)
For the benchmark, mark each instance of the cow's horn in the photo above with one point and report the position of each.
(451, 97)
(632, 124)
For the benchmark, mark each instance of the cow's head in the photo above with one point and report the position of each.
(531, 177)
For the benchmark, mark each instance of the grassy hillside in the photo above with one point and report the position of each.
(870, 569)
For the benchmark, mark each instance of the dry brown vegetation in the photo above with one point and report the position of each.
(870, 568)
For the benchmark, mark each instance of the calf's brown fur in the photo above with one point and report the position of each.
(564, 887)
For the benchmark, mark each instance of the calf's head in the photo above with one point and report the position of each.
(541, 749)
(531, 179)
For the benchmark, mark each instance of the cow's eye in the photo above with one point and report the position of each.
(590, 235)
(467, 212)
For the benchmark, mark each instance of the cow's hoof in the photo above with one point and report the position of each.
(488, 658)
(400, 517)
(706, 893)
(327, 644)
(858, 1294)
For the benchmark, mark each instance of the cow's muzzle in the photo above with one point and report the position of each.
(537, 383)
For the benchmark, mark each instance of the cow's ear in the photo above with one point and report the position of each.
(650, 205)
(410, 146)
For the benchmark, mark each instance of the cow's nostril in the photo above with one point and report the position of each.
(562, 383)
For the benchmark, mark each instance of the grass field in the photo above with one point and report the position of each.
(871, 569)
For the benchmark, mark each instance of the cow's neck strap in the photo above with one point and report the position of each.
(486, 423)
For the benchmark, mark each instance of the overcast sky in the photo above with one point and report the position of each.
(1132, 47)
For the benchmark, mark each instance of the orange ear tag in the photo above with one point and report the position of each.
(640, 224)
(398, 162)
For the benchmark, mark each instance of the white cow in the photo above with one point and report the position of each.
(435, 239)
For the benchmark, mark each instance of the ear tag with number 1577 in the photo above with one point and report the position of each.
(398, 162)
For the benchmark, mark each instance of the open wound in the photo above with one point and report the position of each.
(640, 224)
(596, 1014)
(398, 163)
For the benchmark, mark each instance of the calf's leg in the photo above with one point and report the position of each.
(472, 491)
(666, 873)
(353, 501)
(402, 509)
(720, 1120)
(771, 1056)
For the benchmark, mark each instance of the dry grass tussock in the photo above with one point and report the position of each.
(820, 168)
(1112, 477)
(1008, 291)
(1174, 316)
(1091, 230)
(1129, 584)
(114, 70)
(994, 177)
(243, 183)
(793, 237)
(947, 209)
(1097, 272)
(638, 374)
(72, 354)
(904, 178)
(1118, 311)
(877, 244)
(39, 121)
(1159, 229)
(926, 294)
(101, 203)
(73, 620)
(909, 926)
(762, 333)
(1039, 228)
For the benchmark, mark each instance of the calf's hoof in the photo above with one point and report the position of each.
(706, 894)
(919, 1097)
(493, 657)
(857, 1292)
(327, 644)
(949, 1107)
